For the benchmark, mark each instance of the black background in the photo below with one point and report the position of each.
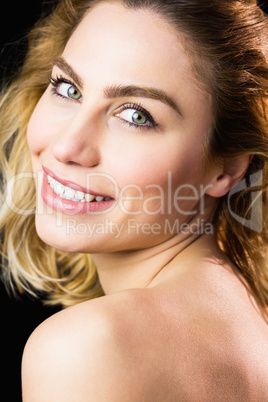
(18, 318)
(264, 5)
(16, 19)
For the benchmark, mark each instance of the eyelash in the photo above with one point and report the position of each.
(55, 82)
(147, 115)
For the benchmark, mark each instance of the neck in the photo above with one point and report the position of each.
(142, 268)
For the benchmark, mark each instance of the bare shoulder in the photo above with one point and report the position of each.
(93, 350)
(165, 343)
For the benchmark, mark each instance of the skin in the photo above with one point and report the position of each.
(176, 321)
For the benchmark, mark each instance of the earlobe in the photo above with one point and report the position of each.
(220, 186)
(232, 173)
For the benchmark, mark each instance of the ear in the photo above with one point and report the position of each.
(231, 173)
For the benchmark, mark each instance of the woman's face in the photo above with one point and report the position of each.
(123, 119)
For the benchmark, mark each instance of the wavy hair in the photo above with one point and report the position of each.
(227, 42)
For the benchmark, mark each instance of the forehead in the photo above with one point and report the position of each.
(111, 32)
(135, 47)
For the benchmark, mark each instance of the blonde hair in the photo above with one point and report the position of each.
(229, 43)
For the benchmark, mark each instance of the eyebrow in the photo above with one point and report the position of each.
(121, 91)
(67, 69)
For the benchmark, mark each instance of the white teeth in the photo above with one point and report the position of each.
(70, 194)
(79, 195)
(59, 189)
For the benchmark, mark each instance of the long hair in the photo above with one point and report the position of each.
(228, 45)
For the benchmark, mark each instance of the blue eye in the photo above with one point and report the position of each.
(65, 88)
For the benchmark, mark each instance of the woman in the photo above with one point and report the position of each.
(149, 152)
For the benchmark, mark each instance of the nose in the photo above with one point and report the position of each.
(78, 141)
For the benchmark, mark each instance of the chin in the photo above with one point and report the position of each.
(54, 238)
(64, 237)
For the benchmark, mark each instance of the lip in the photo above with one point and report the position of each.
(71, 184)
(69, 207)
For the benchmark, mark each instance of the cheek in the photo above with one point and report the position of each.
(150, 163)
(150, 174)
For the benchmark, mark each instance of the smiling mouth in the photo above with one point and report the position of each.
(68, 193)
